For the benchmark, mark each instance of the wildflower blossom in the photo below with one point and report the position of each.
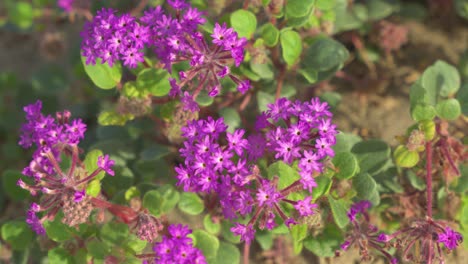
(230, 171)
(61, 189)
(177, 247)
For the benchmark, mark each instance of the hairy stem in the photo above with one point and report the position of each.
(429, 178)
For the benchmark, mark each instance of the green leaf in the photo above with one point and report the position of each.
(422, 112)
(17, 234)
(461, 7)
(415, 181)
(324, 54)
(203, 99)
(449, 109)
(90, 162)
(366, 188)
(152, 201)
(58, 231)
(287, 175)
(323, 186)
(405, 158)
(207, 243)
(21, 14)
(379, 9)
(227, 254)
(227, 234)
(111, 118)
(231, 118)
(103, 75)
(441, 79)
(298, 8)
(244, 23)
(462, 97)
(114, 233)
(291, 46)
(132, 192)
(191, 204)
(347, 165)
(263, 99)
(372, 155)
(94, 188)
(325, 4)
(170, 197)
(270, 35)
(298, 233)
(155, 81)
(59, 255)
(339, 210)
(10, 188)
(98, 249)
(154, 152)
(326, 243)
(265, 239)
(210, 226)
(345, 142)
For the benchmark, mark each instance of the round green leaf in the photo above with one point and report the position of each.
(21, 14)
(298, 8)
(191, 204)
(114, 233)
(372, 155)
(59, 255)
(325, 4)
(244, 23)
(326, 243)
(323, 186)
(98, 249)
(211, 226)
(17, 234)
(203, 99)
(227, 234)
(366, 188)
(379, 9)
(170, 197)
(10, 188)
(448, 109)
(153, 201)
(58, 231)
(227, 254)
(291, 46)
(324, 54)
(206, 242)
(265, 239)
(154, 81)
(441, 78)
(270, 35)
(231, 118)
(103, 75)
(287, 175)
(347, 165)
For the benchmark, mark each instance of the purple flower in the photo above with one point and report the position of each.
(237, 142)
(383, 238)
(33, 221)
(79, 196)
(450, 238)
(177, 247)
(246, 232)
(267, 194)
(305, 207)
(66, 5)
(358, 208)
(106, 164)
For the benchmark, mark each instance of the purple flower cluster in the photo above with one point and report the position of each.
(427, 233)
(229, 169)
(363, 234)
(112, 37)
(173, 39)
(54, 138)
(177, 248)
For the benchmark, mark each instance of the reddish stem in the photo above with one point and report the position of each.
(429, 178)
(246, 253)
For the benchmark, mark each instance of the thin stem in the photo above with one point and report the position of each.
(246, 253)
(429, 178)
